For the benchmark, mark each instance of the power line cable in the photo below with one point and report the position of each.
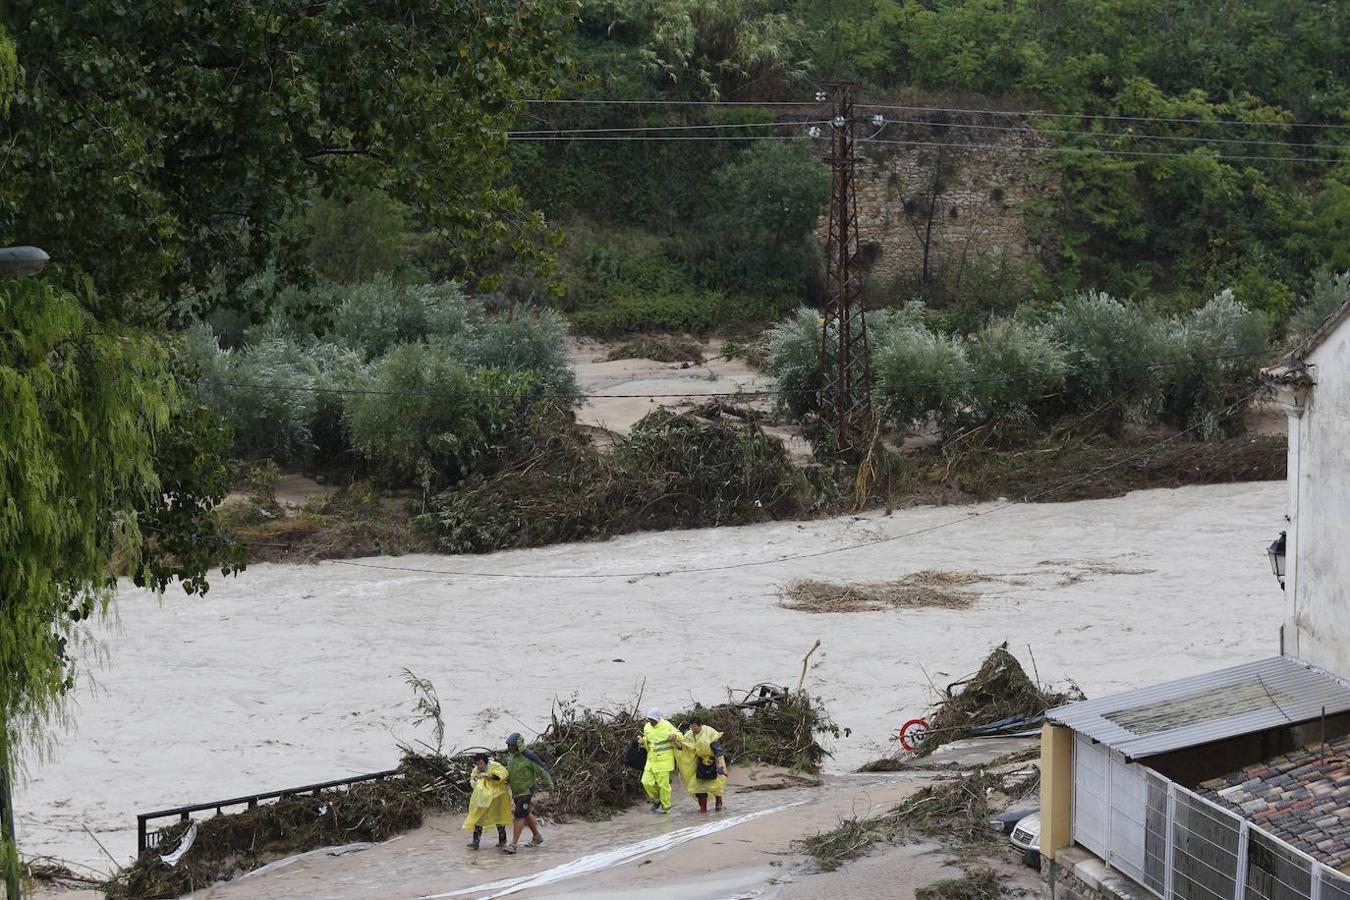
(650, 128)
(1106, 118)
(1028, 498)
(585, 101)
(673, 137)
(1021, 114)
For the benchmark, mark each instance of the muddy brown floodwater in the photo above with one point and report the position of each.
(290, 674)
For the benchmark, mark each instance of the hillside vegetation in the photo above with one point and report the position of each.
(1195, 180)
(1198, 211)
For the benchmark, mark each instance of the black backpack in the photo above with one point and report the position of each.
(635, 757)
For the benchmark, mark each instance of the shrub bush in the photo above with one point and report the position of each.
(918, 373)
(1110, 348)
(630, 311)
(711, 465)
(372, 317)
(354, 240)
(1327, 296)
(425, 419)
(792, 358)
(284, 393)
(267, 392)
(1210, 354)
(527, 341)
(1015, 368)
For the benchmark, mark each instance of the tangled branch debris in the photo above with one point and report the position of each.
(586, 747)
(769, 725)
(975, 884)
(705, 466)
(674, 348)
(956, 810)
(1000, 692)
(928, 588)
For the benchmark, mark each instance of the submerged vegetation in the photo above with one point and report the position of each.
(710, 465)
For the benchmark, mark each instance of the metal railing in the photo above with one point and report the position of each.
(1178, 844)
(147, 838)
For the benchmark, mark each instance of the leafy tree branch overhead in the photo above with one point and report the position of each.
(165, 146)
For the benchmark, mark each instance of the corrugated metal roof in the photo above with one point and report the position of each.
(1211, 707)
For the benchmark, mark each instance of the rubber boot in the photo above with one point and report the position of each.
(719, 803)
(477, 836)
(702, 803)
(501, 836)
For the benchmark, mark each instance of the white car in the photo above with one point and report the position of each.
(1027, 835)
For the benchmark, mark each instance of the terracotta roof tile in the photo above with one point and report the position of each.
(1302, 797)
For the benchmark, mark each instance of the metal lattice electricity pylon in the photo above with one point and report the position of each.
(846, 395)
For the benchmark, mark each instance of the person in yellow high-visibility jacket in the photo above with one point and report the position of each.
(490, 801)
(702, 753)
(660, 738)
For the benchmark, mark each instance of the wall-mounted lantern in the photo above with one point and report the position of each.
(1275, 553)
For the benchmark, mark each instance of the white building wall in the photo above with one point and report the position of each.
(1317, 589)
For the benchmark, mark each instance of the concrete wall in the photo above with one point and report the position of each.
(1317, 588)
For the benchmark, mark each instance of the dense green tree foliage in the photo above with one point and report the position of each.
(165, 146)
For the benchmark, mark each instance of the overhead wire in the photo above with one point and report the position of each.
(816, 554)
(1021, 114)
(587, 101)
(1335, 126)
(653, 137)
(650, 128)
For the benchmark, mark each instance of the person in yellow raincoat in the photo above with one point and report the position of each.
(702, 752)
(660, 738)
(490, 802)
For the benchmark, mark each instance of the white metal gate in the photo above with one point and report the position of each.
(1091, 794)
(1110, 805)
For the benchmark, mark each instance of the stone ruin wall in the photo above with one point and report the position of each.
(980, 214)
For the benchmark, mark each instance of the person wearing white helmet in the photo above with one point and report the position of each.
(660, 738)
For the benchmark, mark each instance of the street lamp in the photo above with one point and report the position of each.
(22, 260)
(14, 261)
(1275, 553)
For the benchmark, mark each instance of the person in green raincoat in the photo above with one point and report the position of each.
(490, 802)
(660, 738)
(702, 763)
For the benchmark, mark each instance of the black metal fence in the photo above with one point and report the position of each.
(147, 838)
